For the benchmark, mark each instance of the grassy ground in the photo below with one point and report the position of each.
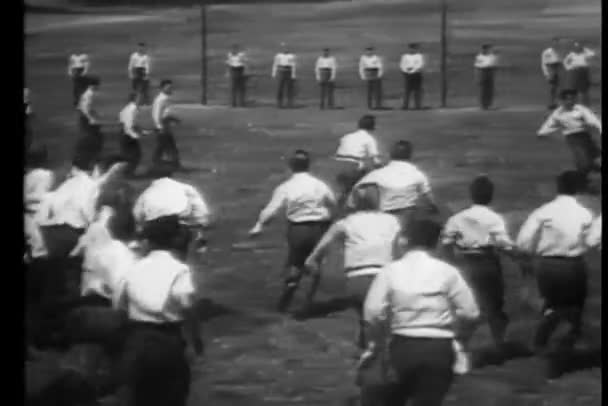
(254, 356)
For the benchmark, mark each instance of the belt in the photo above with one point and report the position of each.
(361, 267)
(285, 67)
(562, 258)
(308, 222)
(477, 251)
(174, 327)
(372, 68)
(349, 157)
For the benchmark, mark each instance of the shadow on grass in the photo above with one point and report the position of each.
(207, 309)
(576, 360)
(489, 355)
(323, 309)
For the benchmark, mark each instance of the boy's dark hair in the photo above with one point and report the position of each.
(119, 196)
(163, 169)
(131, 97)
(422, 233)
(82, 161)
(568, 183)
(165, 82)
(567, 93)
(482, 190)
(367, 122)
(37, 157)
(402, 151)
(106, 162)
(93, 81)
(164, 233)
(300, 161)
(366, 196)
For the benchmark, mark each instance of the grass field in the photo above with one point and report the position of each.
(255, 356)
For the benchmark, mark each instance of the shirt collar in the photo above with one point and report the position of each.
(416, 253)
(566, 199)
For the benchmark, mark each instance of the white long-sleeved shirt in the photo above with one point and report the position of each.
(157, 289)
(72, 203)
(284, 59)
(326, 63)
(370, 62)
(400, 183)
(138, 60)
(369, 238)
(579, 119)
(476, 227)
(167, 197)
(578, 60)
(87, 104)
(558, 228)
(484, 61)
(424, 296)
(236, 60)
(359, 147)
(160, 108)
(304, 197)
(127, 118)
(594, 236)
(78, 61)
(548, 57)
(412, 63)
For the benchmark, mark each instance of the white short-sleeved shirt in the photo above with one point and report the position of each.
(400, 184)
(369, 238)
(476, 227)
(359, 146)
(157, 289)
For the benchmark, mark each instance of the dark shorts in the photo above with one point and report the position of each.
(302, 238)
(155, 365)
(357, 288)
(562, 282)
(580, 79)
(554, 73)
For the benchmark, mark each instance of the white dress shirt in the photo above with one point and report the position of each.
(401, 184)
(87, 104)
(548, 57)
(236, 60)
(127, 119)
(326, 63)
(72, 203)
(370, 62)
(284, 59)
(557, 228)
(138, 60)
(412, 63)
(483, 61)
(105, 259)
(78, 61)
(304, 197)
(594, 237)
(167, 197)
(579, 119)
(369, 241)
(160, 108)
(578, 60)
(157, 289)
(476, 227)
(359, 147)
(424, 296)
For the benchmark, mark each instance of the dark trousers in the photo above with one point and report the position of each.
(553, 80)
(302, 238)
(584, 152)
(486, 87)
(412, 83)
(424, 370)
(326, 86)
(237, 86)
(348, 176)
(356, 289)
(374, 93)
(483, 272)
(92, 140)
(562, 284)
(165, 144)
(286, 87)
(580, 80)
(131, 151)
(79, 85)
(140, 85)
(155, 368)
